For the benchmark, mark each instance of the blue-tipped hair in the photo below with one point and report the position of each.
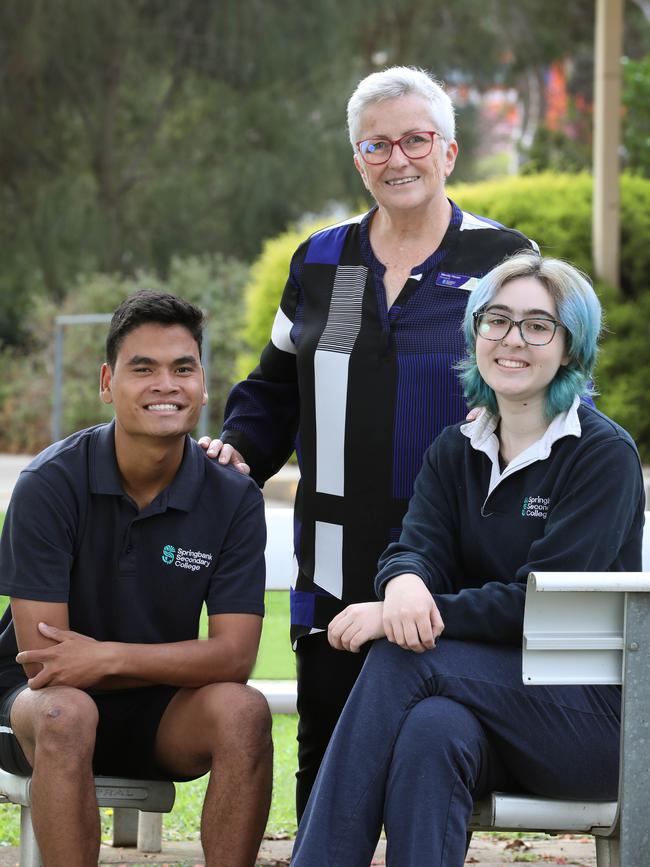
(578, 309)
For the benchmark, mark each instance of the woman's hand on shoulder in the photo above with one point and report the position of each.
(355, 625)
(411, 616)
(225, 453)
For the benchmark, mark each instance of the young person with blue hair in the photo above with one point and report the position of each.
(539, 482)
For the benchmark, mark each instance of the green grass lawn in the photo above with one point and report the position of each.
(275, 661)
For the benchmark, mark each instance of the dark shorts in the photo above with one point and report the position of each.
(126, 734)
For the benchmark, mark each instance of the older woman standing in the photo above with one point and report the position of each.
(358, 374)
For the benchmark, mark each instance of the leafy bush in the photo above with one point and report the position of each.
(555, 210)
(636, 122)
(268, 276)
(624, 365)
(26, 390)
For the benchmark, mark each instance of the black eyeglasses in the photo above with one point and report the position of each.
(496, 326)
(414, 145)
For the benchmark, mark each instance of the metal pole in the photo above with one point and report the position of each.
(635, 737)
(58, 381)
(607, 139)
(59, 334)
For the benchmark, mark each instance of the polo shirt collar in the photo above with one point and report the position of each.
(482, 437)
(186, 485)
(180, 494)
(104, 474)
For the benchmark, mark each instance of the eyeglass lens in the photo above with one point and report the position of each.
(536, 332)
(415, 145)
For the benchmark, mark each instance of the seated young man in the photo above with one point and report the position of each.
(114, 539)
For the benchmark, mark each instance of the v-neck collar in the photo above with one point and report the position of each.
(378, 269)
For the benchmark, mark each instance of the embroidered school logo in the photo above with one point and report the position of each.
(192, 560)
(168, 555)
(535, 507)
(185, 558)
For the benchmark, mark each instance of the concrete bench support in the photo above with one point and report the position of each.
(129, 799)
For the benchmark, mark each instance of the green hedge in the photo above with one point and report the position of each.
(268, 276)
(555, 210)
(623, 369)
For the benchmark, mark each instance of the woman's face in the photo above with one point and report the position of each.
(403, 183)
(515, 370)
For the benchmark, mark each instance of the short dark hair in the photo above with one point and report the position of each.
(161, 308)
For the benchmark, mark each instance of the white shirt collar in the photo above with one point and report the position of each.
(482, 437)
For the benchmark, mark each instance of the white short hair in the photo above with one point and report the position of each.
(401, 81)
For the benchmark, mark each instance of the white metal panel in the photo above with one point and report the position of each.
(582, 582)
(572, 637)
(574, 641)
(545, 814)
(572, 666)
(280, 694)
(17, 789)
(281, 566)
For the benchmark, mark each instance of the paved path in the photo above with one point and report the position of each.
(487, 850)
(10, 467)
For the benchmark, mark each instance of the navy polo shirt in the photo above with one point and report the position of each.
(72, 535)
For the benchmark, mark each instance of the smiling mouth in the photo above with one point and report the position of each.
(162, 407)
(511, 363)
(398, 182)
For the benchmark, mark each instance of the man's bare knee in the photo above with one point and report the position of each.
(65, 724)
(246, 719)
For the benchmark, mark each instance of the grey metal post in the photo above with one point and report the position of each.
(58, 381)
(635, 736)
(59, 340)
(30, 855)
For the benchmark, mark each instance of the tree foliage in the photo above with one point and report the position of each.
(636, 123)
(624, 361)
(135, 131)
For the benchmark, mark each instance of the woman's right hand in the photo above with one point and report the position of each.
(411, 616)
(355, 625)
(225, 453)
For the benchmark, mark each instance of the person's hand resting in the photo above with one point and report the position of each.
(355, 625)
(411, 617)
(225, 454)
(75, 660)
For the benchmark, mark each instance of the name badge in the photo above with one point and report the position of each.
(457, 281)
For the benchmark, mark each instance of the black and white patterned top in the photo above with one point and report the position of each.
(360, 391)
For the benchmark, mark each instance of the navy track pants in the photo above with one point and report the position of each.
(422, 735)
